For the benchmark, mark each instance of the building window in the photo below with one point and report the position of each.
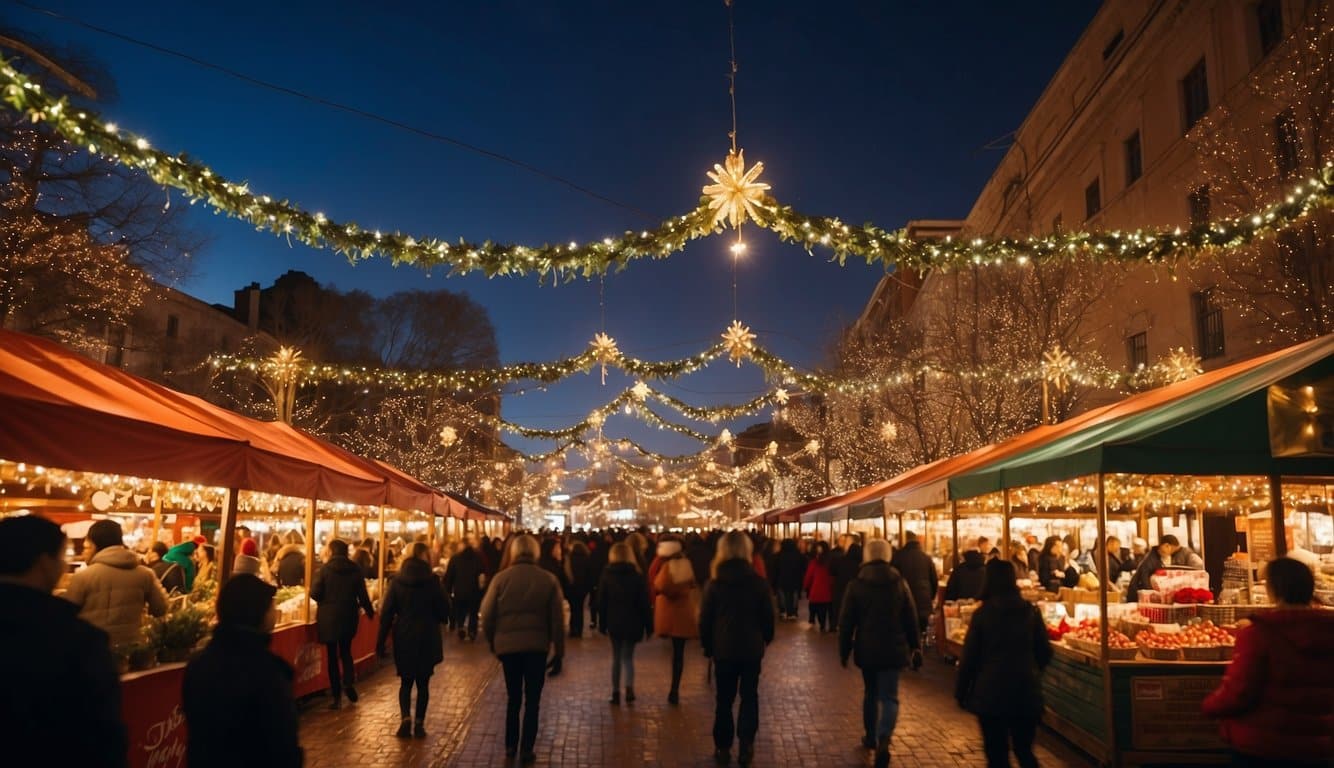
(1287, 143)
(1137, 351)
(1113, 44)
(1195, 94)
(1208, 324)
(173, 326)
(1269, 20)
(1134, 159)
(1092, 199)
(1198, 201)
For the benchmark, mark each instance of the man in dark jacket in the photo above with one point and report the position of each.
(843, 568)
(414, 608)
(919, 571)
(237, 696)
(61, 697)
(878, 629)
(340, 587)
(791, 571)
(965, 581)
(463, 584)
(168, 573)
(736, 621)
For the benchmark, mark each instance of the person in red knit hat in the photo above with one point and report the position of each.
(1276, 702)
(247, 560)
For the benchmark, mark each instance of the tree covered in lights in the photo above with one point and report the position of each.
(1283, 287)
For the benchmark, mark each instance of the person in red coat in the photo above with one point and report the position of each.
(819, 586)
(1276, 702)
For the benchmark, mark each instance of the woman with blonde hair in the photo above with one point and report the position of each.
(736, 623)
(627, 618)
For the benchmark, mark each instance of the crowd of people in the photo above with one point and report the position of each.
(725, 592)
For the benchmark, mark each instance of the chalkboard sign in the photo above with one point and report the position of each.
(1165, 713)
(1260, 540)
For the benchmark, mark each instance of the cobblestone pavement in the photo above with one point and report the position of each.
(810, 714)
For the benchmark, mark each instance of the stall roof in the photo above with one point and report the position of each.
(476, 510)
(1213, 424)
(64, 410)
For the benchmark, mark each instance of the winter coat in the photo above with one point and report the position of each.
(918, 570)
(414, 608)
(1276, 700)
(111, 593)
(1004, 654)
(184, 556)
(877, 622)
(844, 569)
(366, 560)
(676, 607)
(737, 615)
(580, 574)
(340, 587)
(623, 603)
(791, 568)
(819, 584)
(238, 703)
(290, 566)
(523, 610)
(170, 575)
(965, 581)
(557, 569)
(61, 689)
(463, 575)
(700, 555)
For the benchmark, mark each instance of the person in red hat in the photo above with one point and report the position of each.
(247, 560)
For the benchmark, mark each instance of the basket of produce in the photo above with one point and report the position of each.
(1087, 638)
(1168, 614)
(1131, 626)
(1204, 641)
(1159, 646)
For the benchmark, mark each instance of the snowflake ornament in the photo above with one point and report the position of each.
(889, 432)
(604, 351)
(1058, 367)
(448, 436)
(781, 396)
(1179, 366)
(640, 391)
(735, 193)
(739, 342)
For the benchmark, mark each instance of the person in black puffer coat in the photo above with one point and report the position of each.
(597, 563)
(965, 581)
(579, 568)
(791, 572)
(917, 568)
(414, 608)
(736, 621)
(878, 629)
(1000, 673)
(340, 587)
(627, 616)
(463, 584)
(844, 569)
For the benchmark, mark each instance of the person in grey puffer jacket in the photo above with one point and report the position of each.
(113, 589)
(523, 618)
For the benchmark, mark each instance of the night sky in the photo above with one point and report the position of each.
(871, 111)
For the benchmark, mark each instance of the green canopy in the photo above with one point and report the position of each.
(1220, 430)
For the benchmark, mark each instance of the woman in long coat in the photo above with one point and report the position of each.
(414, 609)
(675, 606)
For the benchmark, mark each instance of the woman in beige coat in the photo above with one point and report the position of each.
(675, 604)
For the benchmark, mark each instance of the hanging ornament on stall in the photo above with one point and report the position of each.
(739, 342)
(604, 351)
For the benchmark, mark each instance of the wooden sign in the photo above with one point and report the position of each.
(1165, 713)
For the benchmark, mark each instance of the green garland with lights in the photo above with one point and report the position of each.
(891, 248)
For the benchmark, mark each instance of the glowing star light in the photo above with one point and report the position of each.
(772, 448)
(725, 438)
(735, 193)
(604, 351)
(1058, 367)
(889, 431)
(781, 396)
(1179, 366)
(448, 436)
(813, 447)
(739, 342)
(640, 391)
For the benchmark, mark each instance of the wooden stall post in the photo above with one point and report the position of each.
(1108, 716)
(1278, 521)
(1005, 525)
(157, 512)
(225, 547)
(380, 552)
(310, 558)
(430, 536)
(954, 526)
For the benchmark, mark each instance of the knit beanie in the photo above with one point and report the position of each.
(250, 548)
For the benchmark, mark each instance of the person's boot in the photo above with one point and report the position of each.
(868, 742)
(404, 728)
(629, 695)
(528, 758)
(747, 755)
(722, 756)
(615, 698)
(351, 694)
(674, 697)
(337, 703)
(882, 754)
(419, 729)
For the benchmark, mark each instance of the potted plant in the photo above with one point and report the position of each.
(177, 634)
(141, 656)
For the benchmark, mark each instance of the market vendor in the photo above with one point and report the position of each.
(112, 591)
(1162, 556)
(183, 554)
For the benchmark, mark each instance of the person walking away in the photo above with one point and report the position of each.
(791, 571)
(552, 561)
(237, 695)
(1000, 673)
(340, 587)
(626, 616)
(247, 560)
(170, 575)
(878, 629)
(112, 591)
(1276, 700)
(522, 620)
(819, 586)
(464, 576)
(62, 692)
(919, 571)
(737, 617)
(843, 570)
(598, 561)
(675, 605)
(413, 609)
(965, 581)
(580, 572)
(289, 564)
(365, 558)
(183, 555)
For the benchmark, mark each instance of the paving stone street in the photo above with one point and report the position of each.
(810, 714)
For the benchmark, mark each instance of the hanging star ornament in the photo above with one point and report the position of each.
(781, 396)
(604, 351)
(1179, 366)
(739, 341)
(725, 438)
(735, 194)
(448, 436)
(1057, 367)
(640, 391)
(889, 432)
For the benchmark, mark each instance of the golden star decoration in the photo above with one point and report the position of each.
(735, 193)
(284, 365)
(1179, 366)
(889, 432)
(725, 438)
(448, 436)
(772, 448)
(604, 349)
(781, 396)
(739, 341)
(813, 447)
(1057, 367)
(640, 391)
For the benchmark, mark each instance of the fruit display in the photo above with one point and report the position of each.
(1205, 634)
(1192, 595)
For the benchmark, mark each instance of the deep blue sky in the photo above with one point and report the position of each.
(871, 111)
